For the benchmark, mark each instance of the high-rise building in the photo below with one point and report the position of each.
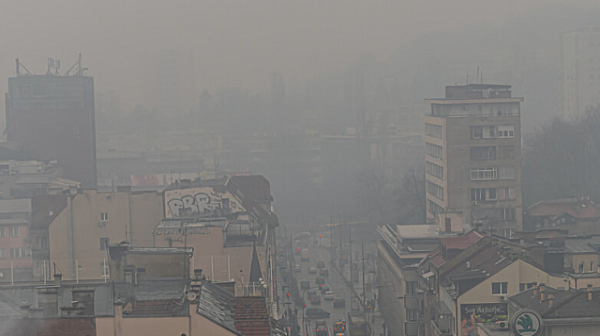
(51, 116)
(580, 61)
(473, 158)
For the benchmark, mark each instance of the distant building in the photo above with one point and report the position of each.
(52, 118)
(473, 158)
(25, 179)
(580, 60)
(578, 215)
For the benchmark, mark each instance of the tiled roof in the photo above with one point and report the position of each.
(462, 242)
(156, 308)
(214, 304)
(575, 207)
(251, 317)
(567, 304)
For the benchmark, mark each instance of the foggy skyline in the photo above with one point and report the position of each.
(234, 43)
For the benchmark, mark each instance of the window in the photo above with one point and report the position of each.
(411, 315)
(434, 208)
(2, 253)
(104, 269)
(506, 152)
(483, 194)
(411, 287)
(434, 150)
(1, 232)
(483, 174)
(499, 288)
(104, 216)
(103, 244)
(13, 231)
(507, 214)
(432, 130)
(20, 252)
(507, 173)
(435, 170)
(483, 153)
(507, 194)
(483, 132)
(435, 190)
(525, 286)
(506, 132)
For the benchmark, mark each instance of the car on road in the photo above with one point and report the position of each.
(339, 303)
(320, 280)
(320, 264)
(312, 270)
(315, 300)
(304, 284)
(305, 255)
(339, 328)
(329, 296)
(324, 272)
(298, 250)
(316, 313)
(321, 328)
(297, 268)
(324, 288)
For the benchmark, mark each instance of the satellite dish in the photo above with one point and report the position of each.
(191, 296)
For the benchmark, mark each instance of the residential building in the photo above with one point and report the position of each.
(159, 306)
(473, 158)
(15, 249)
(580, 61)
(578, 215)
(91, 220)
(51, 116)
(563, 312)
(25, 179)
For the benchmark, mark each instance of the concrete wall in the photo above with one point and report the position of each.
(515, 273)
(392, 286)
(88, 228)
(190, 201)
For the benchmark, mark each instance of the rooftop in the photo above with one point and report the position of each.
(567, 304)
(580, 207)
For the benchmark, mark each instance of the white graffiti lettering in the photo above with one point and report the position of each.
(189, 205)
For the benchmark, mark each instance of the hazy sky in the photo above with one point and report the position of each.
(234, 42)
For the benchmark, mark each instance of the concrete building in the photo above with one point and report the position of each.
(563, 312)
(79, 233)
(580, 61)
(578, 215)
(25, 179)
(473, 158)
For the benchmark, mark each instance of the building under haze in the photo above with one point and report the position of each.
(473, 158)
(51, 116)
(580, 59)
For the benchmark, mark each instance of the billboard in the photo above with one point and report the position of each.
(471, 314)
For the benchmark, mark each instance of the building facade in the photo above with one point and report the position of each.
(580, 61)
(473, 158)
(52, 118)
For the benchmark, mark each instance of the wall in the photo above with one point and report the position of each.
(48, 327)
(517, 272)
(392, 286)
(89, 228)
(154, 326)
(586, 259)
(574, 330)
(191, 201)
(202, 326)
(443, 163)
(146, 213)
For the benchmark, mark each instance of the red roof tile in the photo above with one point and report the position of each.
(462, 242)
(576, 207)
(250, 315)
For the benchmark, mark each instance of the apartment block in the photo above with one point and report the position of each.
(580, 62)
(473, 159)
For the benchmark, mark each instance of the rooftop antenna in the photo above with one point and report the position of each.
(467, 76)
(19, 66)
(478, 74)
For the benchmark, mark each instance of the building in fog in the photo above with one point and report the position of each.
(52, 118)
(580, 60)
(473, 158)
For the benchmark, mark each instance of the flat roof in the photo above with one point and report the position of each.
(448, 101)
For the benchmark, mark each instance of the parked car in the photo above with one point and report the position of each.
(316, 313)
(324, 272)
(304, 284)
(329, 296)
(315, 300)
(320, 264)
(312, 270)
(339, 303)
(297, 268)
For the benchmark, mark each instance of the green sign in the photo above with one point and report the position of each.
(526, 323)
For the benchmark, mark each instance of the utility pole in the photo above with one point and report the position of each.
(351, 263)
(363, 277)
(330, 239)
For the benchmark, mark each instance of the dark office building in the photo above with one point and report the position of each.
(52, 118)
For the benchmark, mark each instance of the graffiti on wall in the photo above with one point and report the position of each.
(198, 201)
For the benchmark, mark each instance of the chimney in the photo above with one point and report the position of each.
(58, 280)
(542, 292)
(589, 292)
(550, 299)
(25, 311)
(468, 265)
(535, 290)
(119, 309)
(84, 299)
(48, 300)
